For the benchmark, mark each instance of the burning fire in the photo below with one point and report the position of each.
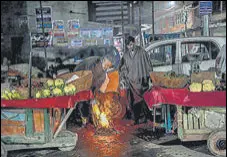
(96, 110)
(106, 109)
(104, 121)
(100, 118)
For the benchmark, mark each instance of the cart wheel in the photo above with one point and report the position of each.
(216, 143)
(3, 150)
(73, 137)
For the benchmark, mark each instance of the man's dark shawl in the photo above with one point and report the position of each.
(135, 71)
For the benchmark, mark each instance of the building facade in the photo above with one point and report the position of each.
(12, 34)
(183, 16)
(19, 19)
(171, 17)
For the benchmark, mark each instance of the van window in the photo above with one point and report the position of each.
(192, 51)
(163, 55)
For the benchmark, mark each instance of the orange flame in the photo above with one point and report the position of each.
(104, 121)
(101, 117)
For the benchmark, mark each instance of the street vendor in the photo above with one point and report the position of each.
(99, 67)
(134, 69)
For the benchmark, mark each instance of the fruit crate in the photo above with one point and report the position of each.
(164, 79)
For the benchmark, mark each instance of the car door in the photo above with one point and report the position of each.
(163, 56)
(198, 54)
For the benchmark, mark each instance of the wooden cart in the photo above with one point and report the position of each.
(206, 123)
(41, 123)
(200, 115)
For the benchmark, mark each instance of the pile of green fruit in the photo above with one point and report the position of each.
(50, 88)
(55, 88)
(11, 95)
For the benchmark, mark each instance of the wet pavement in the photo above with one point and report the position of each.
(126, 141)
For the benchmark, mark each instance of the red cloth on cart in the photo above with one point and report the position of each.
(54, 102)
(184, 97)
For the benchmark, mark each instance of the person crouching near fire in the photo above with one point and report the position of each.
(99, 67)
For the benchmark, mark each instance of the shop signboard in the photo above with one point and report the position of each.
(107, 42)
(90, 42)
(58, 26)
(96, 33)
(58, 29)
(205, 7)
(47, 23)
(59, 34)
(61, 42)
(73, 28)
(75, 43)
(40, 40)
(72, 34)
(85, 33)
(73, 25)
(107, 32)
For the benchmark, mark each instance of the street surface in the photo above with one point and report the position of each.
(127, 141)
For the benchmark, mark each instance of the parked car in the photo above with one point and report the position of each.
(179, 54)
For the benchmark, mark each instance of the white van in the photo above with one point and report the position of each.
(179, 54)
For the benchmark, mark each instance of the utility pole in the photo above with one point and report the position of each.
(205, 8)
(122, 25)
(132, 12)
(130, 17)
(153, 20)
(205, 25)
(185, 19)
(45, 53)
(221, 6)
(140, 24)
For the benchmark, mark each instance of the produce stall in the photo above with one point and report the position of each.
(34, 114)
(35, 133)
(200, 106)
(38, 122)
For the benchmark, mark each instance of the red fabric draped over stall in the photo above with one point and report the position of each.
(184, 97)
(156, 95)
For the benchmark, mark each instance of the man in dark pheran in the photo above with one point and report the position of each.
(134, 69)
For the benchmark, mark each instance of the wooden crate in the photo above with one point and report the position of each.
(17, 126)
(205, 75)
(190, 127)
(160, 79)
(84, 82)
(12, 127)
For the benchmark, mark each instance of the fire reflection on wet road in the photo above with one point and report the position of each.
(98, 145)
